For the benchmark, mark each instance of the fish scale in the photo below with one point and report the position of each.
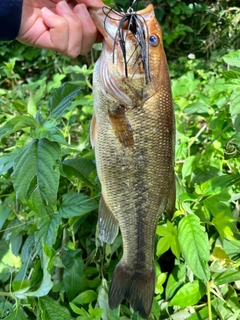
(132, 132)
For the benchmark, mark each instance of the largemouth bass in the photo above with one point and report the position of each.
(133, 133)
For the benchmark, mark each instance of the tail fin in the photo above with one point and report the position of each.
(138, 288)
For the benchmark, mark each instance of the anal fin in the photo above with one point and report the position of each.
(108, 225)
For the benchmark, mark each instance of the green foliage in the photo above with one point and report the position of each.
(52, 263)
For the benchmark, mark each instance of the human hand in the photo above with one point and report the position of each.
(62, 26)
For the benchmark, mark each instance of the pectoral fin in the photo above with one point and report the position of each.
(121, 126)
(93, 131)
(108, 225)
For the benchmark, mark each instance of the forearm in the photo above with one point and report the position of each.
(10, 18)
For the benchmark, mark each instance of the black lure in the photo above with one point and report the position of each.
(138, 27)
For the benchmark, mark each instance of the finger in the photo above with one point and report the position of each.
(91, 3)
(89, 30)
(75, 29)
(56, 36)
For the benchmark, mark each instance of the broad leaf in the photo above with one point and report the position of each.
(175, 280)
(233, 58)
(169, 240)
(76, 204)
(194, 246)
(36, 175)
(72, 277)
(85, 297)
(16, 124)
(46, 283)
(189, 294)
(62, 98)
(47, 231)
(80, 168)
(52, 310)
(17, 314)
(225, 225)
(108, 314)
(196, 108)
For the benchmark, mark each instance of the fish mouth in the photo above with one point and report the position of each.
(129, 32)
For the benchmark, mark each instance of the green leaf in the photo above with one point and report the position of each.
(169, 240)
(76, 204)
(226, 276)
(231, 74)
(36, 175)
(224, 225)
(194, 246)
(232, 58)
(175, 280)
(85, 297)
(46, 283)
(217, 184)
(108, 314)
(189, 294)
(196, 108)
(52, 310)
(235, 109)
(80, 168)
(62, 98)
(17, 314)
(16, 124)
(72, 277)
(47, 231)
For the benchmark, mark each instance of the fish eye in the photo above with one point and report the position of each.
(153, 40)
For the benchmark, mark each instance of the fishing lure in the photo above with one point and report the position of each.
(137, 25)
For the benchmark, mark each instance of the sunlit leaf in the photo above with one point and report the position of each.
(194, 246)
(189, 294)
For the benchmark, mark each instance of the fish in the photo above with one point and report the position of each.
(133, 135)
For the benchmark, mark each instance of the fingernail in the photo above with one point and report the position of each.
(82, 11)
(64, 7)
(47, 11)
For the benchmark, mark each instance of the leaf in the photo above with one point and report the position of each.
(16, 124)
(231, 74)
(36, 175)
(226, 276)
(102, 299)
(47, 231)
(232, 248)
(175, 280)
(52, 310)
(194, 246)
(85, 297)
(224, 225)
(169, 240)
(232, 58)
(80, 168)
(235, 109)
(196, 108)
(46, 283)
(76, 204)
(72, 277)
(17, 314)
(217, 184)
(62, 98)
(189, 294)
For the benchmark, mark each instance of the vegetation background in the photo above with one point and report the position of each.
(52, 264)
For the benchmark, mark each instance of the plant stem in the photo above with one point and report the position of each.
(209, 300)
